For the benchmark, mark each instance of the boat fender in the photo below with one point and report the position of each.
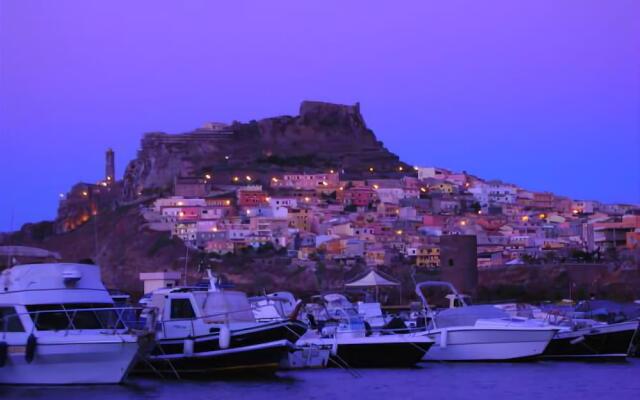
(4, 350)
(334, 348)
(188, 347)
(577, 340)
(30, 351)
(443, 338)
(224, 339)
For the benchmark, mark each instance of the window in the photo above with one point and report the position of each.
(181, 309)
(9, 321)
(55, 317)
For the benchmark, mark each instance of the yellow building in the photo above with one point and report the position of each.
(300, 218)
(428, 257)
(374, 256)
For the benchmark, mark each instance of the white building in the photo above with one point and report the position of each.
(390, 195)
(158, 280)
(430, 172)
(177, 201)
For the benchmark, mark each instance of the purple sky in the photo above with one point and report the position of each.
(545, 95)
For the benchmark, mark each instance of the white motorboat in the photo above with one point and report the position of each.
(59, 327)
(339, 327)
(479, 333)
(281, 306)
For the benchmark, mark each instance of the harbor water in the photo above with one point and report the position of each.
(522, 381)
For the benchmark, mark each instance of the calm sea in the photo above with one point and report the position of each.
(521, 381)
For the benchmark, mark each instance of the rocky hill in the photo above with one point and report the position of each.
(103, 222)
(322, 136)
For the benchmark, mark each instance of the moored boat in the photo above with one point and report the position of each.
(60, 327)
(339, 327)
(578, 337)
(479, 333)
(211, 331)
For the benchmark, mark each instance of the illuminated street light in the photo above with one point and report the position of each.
(207, 176)
(370, 169)
(248, 178)
(236, 179)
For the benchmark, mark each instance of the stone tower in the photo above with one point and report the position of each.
(110, 170)
(458, 262)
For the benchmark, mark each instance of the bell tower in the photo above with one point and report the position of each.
(110, 167)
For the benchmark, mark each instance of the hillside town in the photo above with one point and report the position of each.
(321, 216)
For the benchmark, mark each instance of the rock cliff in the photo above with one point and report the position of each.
(322, 135)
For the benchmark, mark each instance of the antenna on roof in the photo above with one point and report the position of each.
(9, 262)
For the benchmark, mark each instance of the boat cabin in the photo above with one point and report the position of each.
(55, 297)
(191, 312)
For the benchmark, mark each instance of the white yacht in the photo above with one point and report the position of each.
(338, 325)
(208, 331)
(478, 332)
(59, 326)
(280, 306)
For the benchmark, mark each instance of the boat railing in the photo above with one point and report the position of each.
(558, 317)
(110, 319)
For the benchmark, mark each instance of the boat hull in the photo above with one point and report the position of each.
(374, 351)
(258, 348)
(603, 342)
(68, 363)
(380, 355)
(261, 358)
(479, 344)
(307, 357)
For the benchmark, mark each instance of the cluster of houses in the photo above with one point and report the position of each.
(315, 216)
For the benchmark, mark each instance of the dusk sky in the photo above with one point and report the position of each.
(544, 94)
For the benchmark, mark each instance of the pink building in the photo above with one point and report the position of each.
(359, 196)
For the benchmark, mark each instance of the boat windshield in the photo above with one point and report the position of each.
(76, 316)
